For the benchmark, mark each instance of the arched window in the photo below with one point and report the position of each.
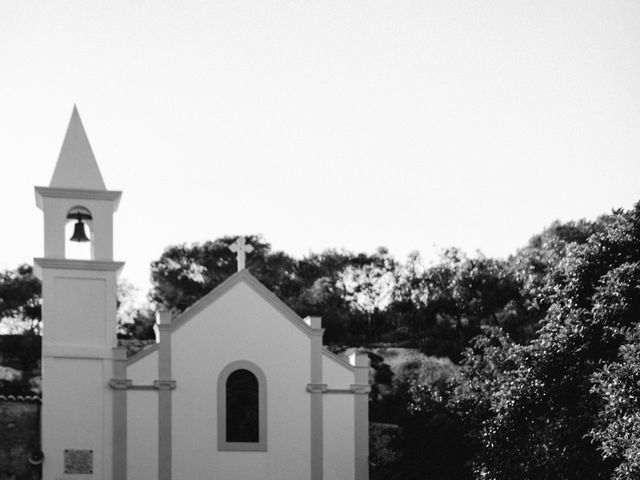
(242, 408)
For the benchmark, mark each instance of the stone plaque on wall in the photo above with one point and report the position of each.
(78, 461)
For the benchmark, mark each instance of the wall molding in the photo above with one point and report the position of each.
(74, 264)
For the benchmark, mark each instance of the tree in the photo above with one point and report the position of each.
(368, 284)
(562, 405)
(136, 318)
(446, 305)
(542, 403)
(184, 274)
(617, 430)
(320, 293)
(20, 299)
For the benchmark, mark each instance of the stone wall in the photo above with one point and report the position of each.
(19, 438)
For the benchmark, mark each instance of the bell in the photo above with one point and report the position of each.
(78, 232)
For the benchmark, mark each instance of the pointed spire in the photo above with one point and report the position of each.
(77, 167)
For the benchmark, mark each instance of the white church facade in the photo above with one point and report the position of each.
(237, 387)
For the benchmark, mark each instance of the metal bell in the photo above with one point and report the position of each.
(78, 232)
(78, 229)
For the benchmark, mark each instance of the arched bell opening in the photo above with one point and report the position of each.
(79, 234)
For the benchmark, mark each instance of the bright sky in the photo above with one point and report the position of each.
(413, 124)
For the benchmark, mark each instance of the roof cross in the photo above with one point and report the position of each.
(241, 248)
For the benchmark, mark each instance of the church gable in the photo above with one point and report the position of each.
(243, 318)
(258, 288)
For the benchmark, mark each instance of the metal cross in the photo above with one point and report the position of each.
(241, 248)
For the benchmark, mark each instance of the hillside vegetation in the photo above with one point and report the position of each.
(482, 368)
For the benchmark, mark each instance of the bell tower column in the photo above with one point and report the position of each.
(79, 315)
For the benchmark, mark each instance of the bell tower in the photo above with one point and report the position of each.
(79, 314)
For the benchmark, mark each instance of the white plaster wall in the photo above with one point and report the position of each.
(142, 420)
(334, 373)
(83, 420)
(145, 370)
(142, 435)
(77, 366)
(75, 306)
(240, 325)
(82, 305)
(339, 439)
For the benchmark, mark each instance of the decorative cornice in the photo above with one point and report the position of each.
(67, 264)
(82, 194)
(364, 389)
(120, 383)
(164, 384)
(316, 387)
(322, 388)
(58, 350)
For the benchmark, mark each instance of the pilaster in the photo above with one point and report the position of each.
(119, 384)
(164, 385)
(316, 389)
(361, 389)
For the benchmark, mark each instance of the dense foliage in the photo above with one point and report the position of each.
(20, 302)
(546, 344)
(565, 404)
(363, 298)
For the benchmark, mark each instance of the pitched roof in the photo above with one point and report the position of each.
(245, 277)
(77, 166)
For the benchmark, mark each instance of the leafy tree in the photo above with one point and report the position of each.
(618, 427)
(20, 299)
(21, 305)
(184, 274)
(542, 403)
(446, 305)
(536, 265)
(321, 293)
(136, 319)
(368, 284)
(532, 409)
(350, 291)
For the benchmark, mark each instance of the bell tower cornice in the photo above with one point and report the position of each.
(77, 194)
(73, 264)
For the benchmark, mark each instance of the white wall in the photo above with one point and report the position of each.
(82, 421)
(145, 370)
(241, 325)
(339, 446)
(142, 420)
(334, 373)
(142, 435)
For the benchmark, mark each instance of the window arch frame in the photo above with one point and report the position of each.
(223, 444)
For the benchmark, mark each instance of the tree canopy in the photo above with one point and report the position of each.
(564, 404)
(546, 342)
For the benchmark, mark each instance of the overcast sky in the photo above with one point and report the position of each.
(334, 123)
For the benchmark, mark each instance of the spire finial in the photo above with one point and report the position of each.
(241, 248)
(77, 166)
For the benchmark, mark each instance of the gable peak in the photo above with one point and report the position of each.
(77, 166)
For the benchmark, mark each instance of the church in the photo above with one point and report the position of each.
(236, 387)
